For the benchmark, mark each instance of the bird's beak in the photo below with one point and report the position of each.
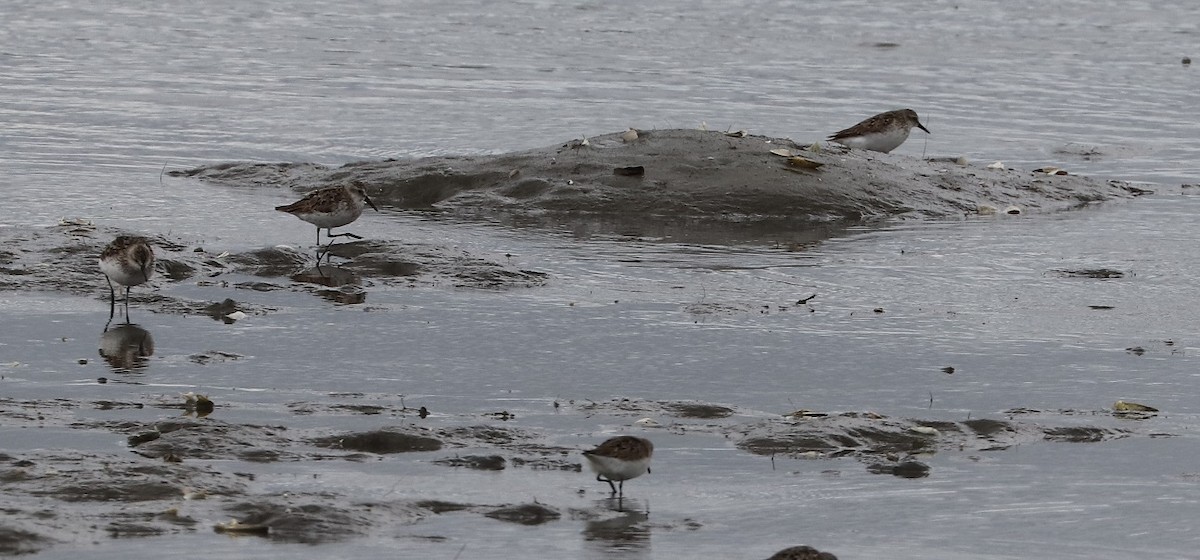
(368, 199)
(922, 127)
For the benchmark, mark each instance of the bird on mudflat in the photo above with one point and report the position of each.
(331, 207)
(881, 133)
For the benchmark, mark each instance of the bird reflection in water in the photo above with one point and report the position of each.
(348, 284)
(330, 276)
(126, 347)
(628, 532)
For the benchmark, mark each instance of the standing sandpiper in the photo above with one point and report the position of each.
(881, 133)
(619, 459)
(128, 261)
(331, 207)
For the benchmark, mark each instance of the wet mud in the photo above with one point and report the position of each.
(866, 435)
(189, 467)
(63, 259)
(681, 183)
(189, 464)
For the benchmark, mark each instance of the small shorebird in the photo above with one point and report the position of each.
(801, 553)
(331, 207)
(619, 459)
(882, 133)
(128, 261)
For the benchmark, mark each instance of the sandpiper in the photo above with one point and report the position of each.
(882, 133)
(619, 459)
(128, 261)
(331, 207)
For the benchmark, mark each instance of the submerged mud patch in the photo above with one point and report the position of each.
(380, 442)
(17, 541)
(475, 462)
(867, 436)
(396, 262)
(308, 519)
(100, 482)
(525, 514)
(682, 409)
(521, 514)
(64, 259)
(208, 438)
(699, 410)
(187, 474)
(170, 478)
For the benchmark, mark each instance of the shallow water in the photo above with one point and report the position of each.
(99, 97)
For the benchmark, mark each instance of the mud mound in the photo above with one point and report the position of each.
(712, 176)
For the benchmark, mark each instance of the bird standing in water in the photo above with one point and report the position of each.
(128, 261)
(619, 459)
(331, 207)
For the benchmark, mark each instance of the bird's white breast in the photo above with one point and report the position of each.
(617, 469)
(885, 141)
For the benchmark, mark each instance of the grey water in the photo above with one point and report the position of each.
(98, 98)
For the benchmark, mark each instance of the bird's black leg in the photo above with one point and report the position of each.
(112, 302)
(126, 304)
(610, 483)
(321, 253)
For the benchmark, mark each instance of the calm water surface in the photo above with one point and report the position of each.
(96, 98)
